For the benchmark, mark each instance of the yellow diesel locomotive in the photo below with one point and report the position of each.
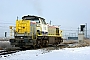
(32, 31)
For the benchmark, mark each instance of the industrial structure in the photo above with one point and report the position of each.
(33, 31)
(81, 34)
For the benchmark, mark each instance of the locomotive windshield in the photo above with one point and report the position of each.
(43, 21)
(37, 21)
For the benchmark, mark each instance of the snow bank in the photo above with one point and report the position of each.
(44, 54)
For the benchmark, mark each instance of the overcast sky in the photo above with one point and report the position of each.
(67, 13)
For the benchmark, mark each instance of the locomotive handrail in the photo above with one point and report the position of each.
(32, 31)
(40, 31)
(12, 28)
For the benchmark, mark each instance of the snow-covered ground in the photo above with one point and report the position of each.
(82, 53)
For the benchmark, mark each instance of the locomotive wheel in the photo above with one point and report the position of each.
(38, 44)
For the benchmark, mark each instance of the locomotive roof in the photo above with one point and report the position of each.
(30, 17)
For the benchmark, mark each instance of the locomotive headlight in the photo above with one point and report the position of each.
(21, 37)
(38, 24)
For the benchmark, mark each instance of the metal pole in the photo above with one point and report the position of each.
(86, 30)
(5, 35)
(78, 30)
(17, 17)
(50, 22)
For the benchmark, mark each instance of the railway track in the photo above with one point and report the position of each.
(4, 52)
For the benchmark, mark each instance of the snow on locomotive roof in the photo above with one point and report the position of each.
(28, 17)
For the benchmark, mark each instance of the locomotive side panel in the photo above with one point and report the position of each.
(51, 30)
(51, 40)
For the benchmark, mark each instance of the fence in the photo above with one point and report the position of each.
(66, 33)
(74, 33)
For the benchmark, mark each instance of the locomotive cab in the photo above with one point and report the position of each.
(41, 26)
